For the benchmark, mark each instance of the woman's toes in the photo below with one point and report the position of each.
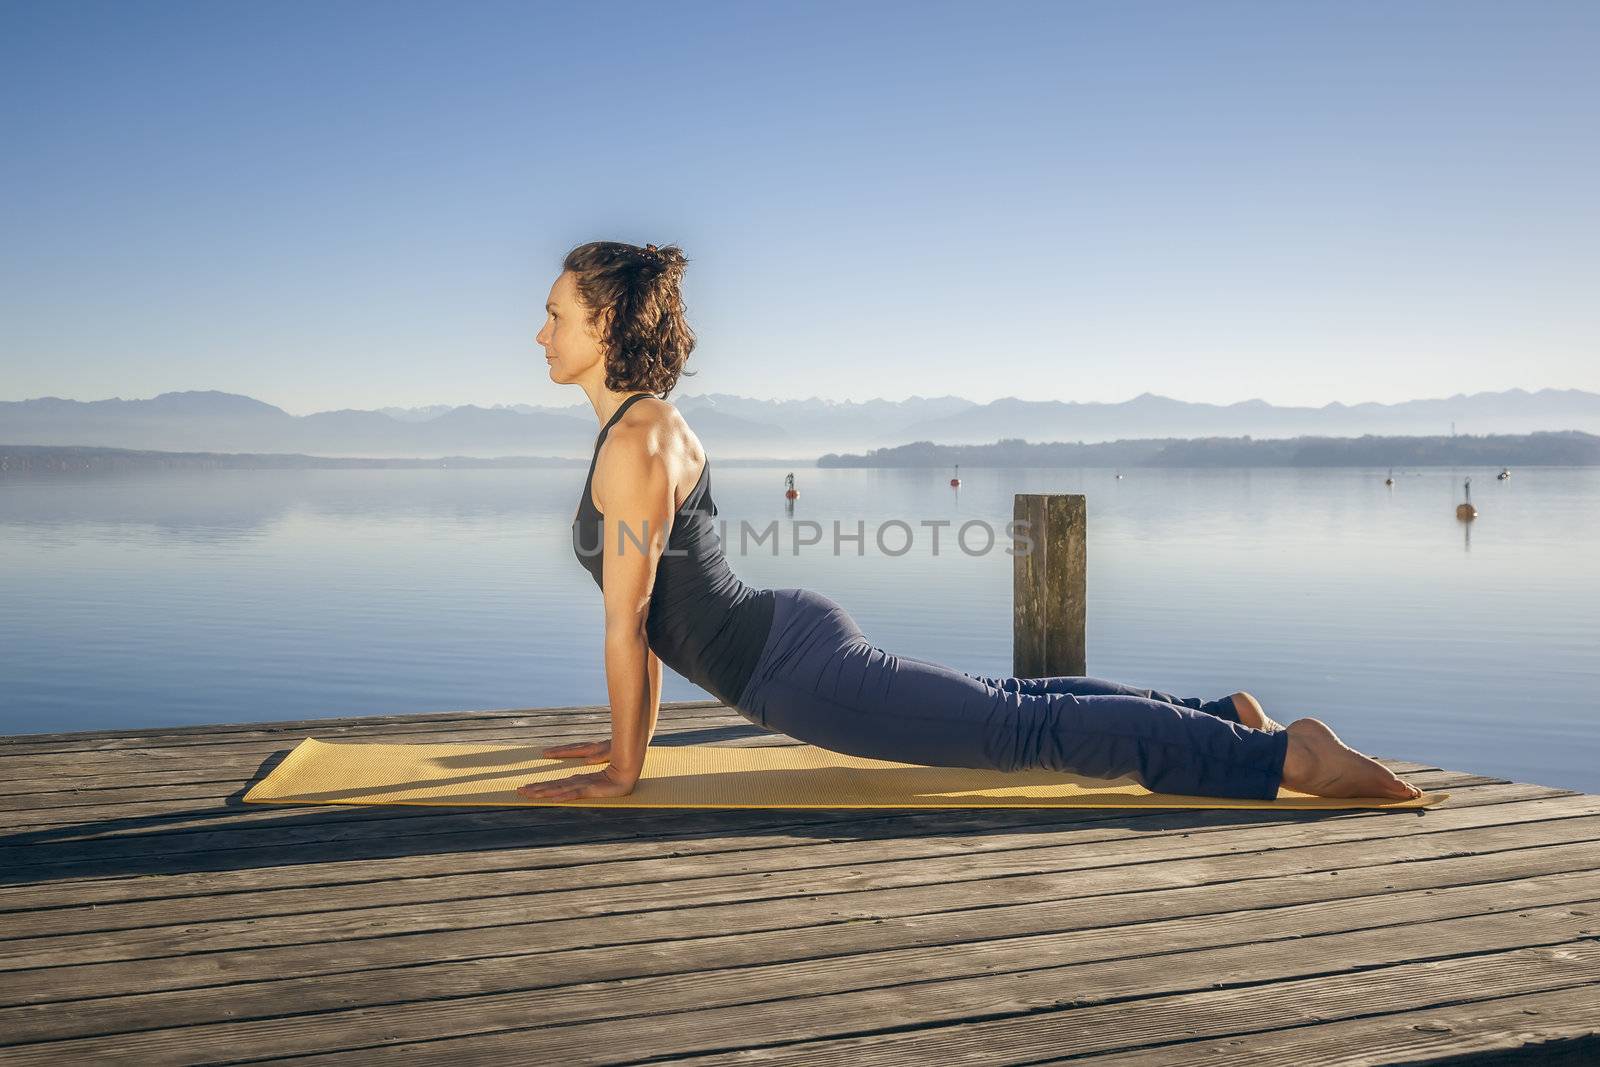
(1407, 790)
(1320, 764)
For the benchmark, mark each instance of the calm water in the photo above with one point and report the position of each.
(172, 598)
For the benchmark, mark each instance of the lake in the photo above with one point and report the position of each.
(160, 599)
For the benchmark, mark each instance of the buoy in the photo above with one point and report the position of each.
(1389, 480)
(956, 481)
(790, 492)
(1467, 511)
(1119, 476)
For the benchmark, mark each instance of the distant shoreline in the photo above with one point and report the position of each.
(1563, 448)
(68, 459)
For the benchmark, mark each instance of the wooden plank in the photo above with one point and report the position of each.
(1174, 992)
(303, 836)
(765, 929)
(1551, 1029)
(75, 737)
(111, 754)
(274, 846)
(454, 830)
(175, 819)
(743, 830)
(1365, 999)
(197, 765)
(228, 783)
(484, 858)
(695, 884)
(904, 950)
(430, 878)
(287, 931)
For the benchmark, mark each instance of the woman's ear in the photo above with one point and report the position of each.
(601, 326)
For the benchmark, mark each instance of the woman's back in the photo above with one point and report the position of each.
(704, 622)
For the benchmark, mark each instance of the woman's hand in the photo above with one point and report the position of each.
(588, 751)
(605, 783)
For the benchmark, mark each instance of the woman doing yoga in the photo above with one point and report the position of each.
(792, 660)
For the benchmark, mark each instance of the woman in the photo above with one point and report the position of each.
(792, 660)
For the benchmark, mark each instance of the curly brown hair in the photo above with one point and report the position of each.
(635, 292)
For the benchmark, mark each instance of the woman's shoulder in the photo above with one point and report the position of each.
(654, 415)
(653, 428)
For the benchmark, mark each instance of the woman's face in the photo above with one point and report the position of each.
(571, 344)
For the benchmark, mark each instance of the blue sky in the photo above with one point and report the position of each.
(352, 204)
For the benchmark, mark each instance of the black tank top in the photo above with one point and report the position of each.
(703, 621)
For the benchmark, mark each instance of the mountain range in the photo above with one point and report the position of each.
(742, 427)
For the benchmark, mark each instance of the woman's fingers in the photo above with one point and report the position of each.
(577, 787)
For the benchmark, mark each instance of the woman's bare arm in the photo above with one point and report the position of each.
(654, 667)
(600, 751)
(637, 505)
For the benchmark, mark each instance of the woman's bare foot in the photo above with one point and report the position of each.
(1252, 714)
(1317, 762)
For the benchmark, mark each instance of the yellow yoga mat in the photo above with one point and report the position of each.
(712, 776)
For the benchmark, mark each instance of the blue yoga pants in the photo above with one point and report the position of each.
(820, 681)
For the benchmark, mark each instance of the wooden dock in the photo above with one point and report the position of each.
(148, 917)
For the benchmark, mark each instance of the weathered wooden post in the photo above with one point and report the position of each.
(1048, 585)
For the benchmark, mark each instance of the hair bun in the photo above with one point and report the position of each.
(632, 291)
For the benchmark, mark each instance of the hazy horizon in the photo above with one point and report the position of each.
(363, 205)
(578, 398)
